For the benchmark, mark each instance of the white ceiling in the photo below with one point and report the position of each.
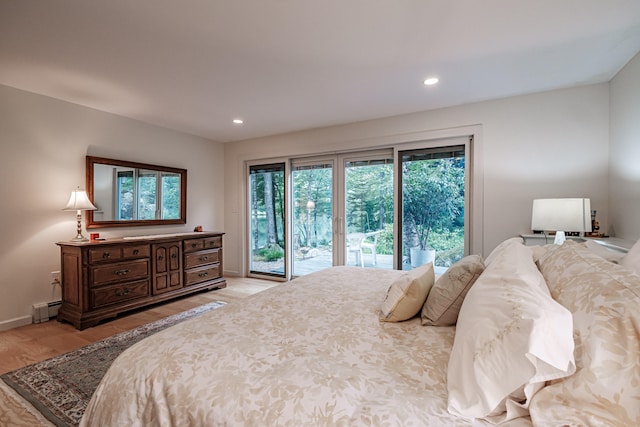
(286, 65)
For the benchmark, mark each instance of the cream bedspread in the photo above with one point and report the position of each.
(310, 352)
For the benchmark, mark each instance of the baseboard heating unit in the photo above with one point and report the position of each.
(44, 311)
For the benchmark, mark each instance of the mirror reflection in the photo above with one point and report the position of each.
(129, 193)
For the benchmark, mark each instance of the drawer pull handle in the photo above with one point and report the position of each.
(122, 293)
(204, 274)
(160, 257)
(174, 256)
(136, 251)
(106, 255)
(121, 272)
(204, 258)
(193, 245)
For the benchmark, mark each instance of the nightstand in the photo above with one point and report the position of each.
(611, 243)
(544, 239)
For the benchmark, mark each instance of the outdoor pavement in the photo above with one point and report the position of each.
(311, 264)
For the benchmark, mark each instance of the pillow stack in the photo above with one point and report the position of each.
(511, 337)
(519, 323)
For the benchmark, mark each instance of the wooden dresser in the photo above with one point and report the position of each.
(101, 279)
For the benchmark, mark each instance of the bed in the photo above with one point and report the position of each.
(544, 336)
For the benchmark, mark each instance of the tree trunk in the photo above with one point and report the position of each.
(254, 210)
(381, 213)
(280, 199)
(409, 234)
(269, 209)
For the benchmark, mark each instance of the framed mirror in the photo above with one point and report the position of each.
(133, 194)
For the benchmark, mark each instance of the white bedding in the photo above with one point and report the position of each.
(311, 352)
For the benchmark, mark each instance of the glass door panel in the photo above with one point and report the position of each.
(267, 219)
(369, 212)
(432, 206)
(312, 219)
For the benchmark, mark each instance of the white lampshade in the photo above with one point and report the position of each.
(79, 201)
(561, 215)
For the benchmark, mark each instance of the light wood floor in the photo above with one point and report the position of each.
(33, 343)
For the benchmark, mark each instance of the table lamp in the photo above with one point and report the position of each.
(79, 201)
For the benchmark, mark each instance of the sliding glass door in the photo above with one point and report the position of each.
(267, 231)
(388, 208)
(368, 209)
(432, 199)
(312, 218)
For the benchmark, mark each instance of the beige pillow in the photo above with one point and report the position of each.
(407, 294)
(445, 298)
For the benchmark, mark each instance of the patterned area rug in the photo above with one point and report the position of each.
(61, 387)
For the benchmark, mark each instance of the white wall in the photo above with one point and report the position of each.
(43, 144)
(551, 144)
(624, 180)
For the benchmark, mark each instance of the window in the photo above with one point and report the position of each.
(125, 195)
(170, 195)
(138, 191)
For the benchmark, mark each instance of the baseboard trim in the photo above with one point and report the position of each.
(14, 323)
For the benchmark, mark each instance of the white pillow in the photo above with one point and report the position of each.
(511, 337)
(632, 259)
(498, 249)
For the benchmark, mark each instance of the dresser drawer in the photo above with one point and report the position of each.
(117, 253)
(202, 274)
(141, 251)
(119, 272)
(196, 259)
(193, 245)
(114, 294)
(104, 254)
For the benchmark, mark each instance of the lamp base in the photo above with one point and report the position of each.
(79, 238)
(560, 238)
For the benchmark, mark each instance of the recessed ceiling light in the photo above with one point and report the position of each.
(238, 121)
(431, 81)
